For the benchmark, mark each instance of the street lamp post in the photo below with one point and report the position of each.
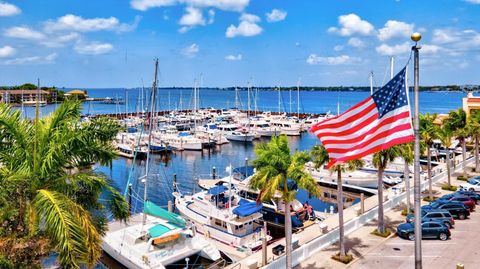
(416, 169)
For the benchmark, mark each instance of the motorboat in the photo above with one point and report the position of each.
(163, 239)
(220, 214)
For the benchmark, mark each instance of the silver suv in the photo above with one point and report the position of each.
(439, 215)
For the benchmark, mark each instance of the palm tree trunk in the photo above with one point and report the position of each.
(477, 164)
(381, 223)
(429, 171)
(464, 157)
(406, 178)
(448, 167)
(288, 236)
(341, 231)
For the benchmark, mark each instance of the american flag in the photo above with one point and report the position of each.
(376, 123)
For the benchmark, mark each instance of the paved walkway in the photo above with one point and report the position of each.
(371, 251)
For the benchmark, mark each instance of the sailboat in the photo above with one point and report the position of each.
(156, 237)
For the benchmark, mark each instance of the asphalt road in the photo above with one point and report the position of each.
(462, 247)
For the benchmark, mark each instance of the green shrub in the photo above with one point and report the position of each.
(427, 198)
(404, 211)
(5, 263)
(385, 234)
(345, 259)
(462, 178)
(446, 187)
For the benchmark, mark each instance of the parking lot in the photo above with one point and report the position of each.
(463, 247)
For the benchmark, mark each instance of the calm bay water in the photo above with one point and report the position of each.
(310, 101)
(189, 165)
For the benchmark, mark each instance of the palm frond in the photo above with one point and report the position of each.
(63, 227)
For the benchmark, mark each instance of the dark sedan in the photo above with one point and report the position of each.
(456, 209)
(469, 202)
(475, 196)
(430, 229)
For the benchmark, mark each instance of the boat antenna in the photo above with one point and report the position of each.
(150, 123)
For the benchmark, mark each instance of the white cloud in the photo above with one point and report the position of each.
(356, 42)
(314, 59)
(444, 36)
(7, 51)
(23, 32)
(248, 27)
(60, 40)
(394, 28)
(72, 22)
(228, 5)
(430, 49)
(388, 50)
(352, 24)
(211, 16)
(93, 48)
(192, 17)
(232, 57)
(473, 1)
(49, 59)
(191, 51)
(249, 18)
(7, 9)
(276, 15)
(338, 48)
(147, 4)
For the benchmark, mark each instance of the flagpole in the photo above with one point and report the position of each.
(416, 174)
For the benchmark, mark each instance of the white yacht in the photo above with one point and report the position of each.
(261, 128)
(232, 132)
(162, 240)
(220, 214)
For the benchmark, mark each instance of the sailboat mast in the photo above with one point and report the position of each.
(248, 100)
(371, 83)
(278, 100)
(298, 98)
(290, 94)
(150, 123)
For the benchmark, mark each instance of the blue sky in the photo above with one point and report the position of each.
(112, 43)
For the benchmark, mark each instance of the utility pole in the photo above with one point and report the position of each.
(416, 170)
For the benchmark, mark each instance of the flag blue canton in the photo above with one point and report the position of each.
(391, 96)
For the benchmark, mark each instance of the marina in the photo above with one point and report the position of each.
(239, 134)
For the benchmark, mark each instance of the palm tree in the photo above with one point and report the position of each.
(428, 133)
(473, 124)
(457, 123)
(380, 161)
(46, 169)
(320, 157)
(445, 135)
(276, 171)
(407, 156)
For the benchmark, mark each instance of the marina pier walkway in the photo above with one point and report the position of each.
(316, 242)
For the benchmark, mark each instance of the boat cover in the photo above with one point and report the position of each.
(247, 208)
(243, 172)
(217, 190)
(158, 230)
(155, 210)
(183, 134)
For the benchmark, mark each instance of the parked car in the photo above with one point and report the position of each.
(439, 215)
(472, 184)
(456, 209)
(460, 198)
(475, 196)
(430, 229)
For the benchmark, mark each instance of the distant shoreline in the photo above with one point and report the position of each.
(308, 89)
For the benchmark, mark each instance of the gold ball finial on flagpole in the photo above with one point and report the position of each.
(416, 37)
